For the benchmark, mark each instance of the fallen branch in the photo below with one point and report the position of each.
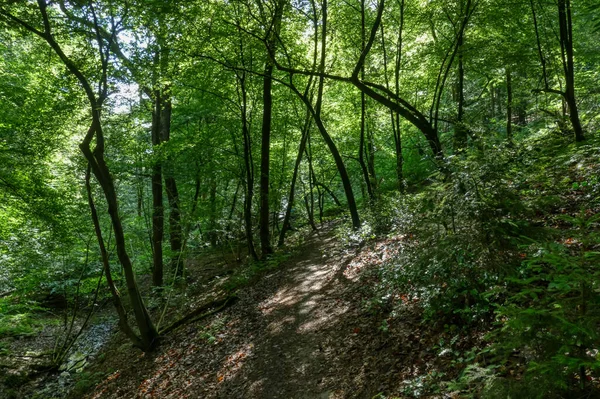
(202, 312)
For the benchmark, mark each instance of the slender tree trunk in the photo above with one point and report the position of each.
(371, 158)
(460, 132)
(312, 180)
(566, 43)
(140, 197)
(234, 201)
(339, 162)
(248, 167)
(148, 333)
(492, 100)
(265, 237)
(157, 196)
(539, 44)
(363, 111)
(265, 242)
(212, 229)
(509, 99)
(321, 201)
(116, 296)
(361, 147)
(290, 204)
(334, 197)
(395, 117)
(175, 229)
(315, 112)
(310, 211)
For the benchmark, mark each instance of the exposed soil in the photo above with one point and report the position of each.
(303, 331)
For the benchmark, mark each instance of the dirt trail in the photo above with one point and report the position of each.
(291, 361)
(296, 334)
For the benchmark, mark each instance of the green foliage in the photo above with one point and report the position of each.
(18, 319)
(210, 332)
(552, 314)
(461, 231)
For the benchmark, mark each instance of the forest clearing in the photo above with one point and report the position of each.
(332, 199)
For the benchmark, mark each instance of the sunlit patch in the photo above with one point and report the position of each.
(279, 325)
(322, 319)
(284, 297)
(377, 255)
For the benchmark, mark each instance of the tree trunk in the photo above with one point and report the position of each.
(566, 43)
(395, 117)
(116, 297)
(157, 198)
(265, 243)
(288, 210)
(312, 181)
(316, 115)
(339, 162)
(265, 237)
(175, 229)
(509, 134)
(371, 159)
(212, 224)
(363, 111)
(149, 335)
(460, 132)
(248, 167)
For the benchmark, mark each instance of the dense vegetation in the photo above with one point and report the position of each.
(136, 135)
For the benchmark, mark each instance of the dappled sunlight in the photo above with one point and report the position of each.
(322, 320)
(277, 326)
(377, 255)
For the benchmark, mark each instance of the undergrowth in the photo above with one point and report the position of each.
(505, 241)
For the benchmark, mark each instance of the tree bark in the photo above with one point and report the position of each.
(394, 116)
(157, 196)
(509, 99)
(566, 43)
(460, 131)
(265, 242)
(265, 237)
(116, 297)
(363, 111)
(248, 167)
(312, 181)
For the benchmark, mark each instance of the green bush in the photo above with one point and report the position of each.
(465, 228)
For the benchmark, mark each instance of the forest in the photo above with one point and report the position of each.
(375, 199)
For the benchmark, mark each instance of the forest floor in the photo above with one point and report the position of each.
(306, 330)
